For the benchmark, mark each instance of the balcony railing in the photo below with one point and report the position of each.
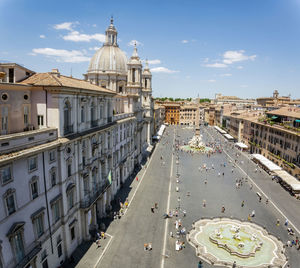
(92, 196)
(68, 129)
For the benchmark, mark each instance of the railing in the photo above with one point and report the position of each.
(68, 129)
(122, 116)
(91, 197)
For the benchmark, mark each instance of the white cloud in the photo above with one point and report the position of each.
(75, 36)
(65, 26)
(216, 65)
(153, 62)
(133, 42)
(211, 80)
(62, 55)
(232, 56)
(226, 75)
(94, 25)
(240, 67)
(244, 86)
(206, 60)
(94, 48)
(162, 70)
(184, 41)
(42, 36)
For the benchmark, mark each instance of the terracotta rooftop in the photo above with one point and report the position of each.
(286, 111)
(54, 79)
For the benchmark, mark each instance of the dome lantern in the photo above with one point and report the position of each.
(111, 34)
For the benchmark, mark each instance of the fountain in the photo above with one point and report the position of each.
(196, 144)
(223, 241)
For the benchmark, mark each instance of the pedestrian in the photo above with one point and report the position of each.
(200, 264)
(152, 209)
(286, 222)
(277, 222)
(137, 179)
(249, 217)
(204, 203)
(234, 264)
(253, 213)
(223, 209)
(156, 205)
(243, 203)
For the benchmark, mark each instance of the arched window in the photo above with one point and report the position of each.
(93, 119)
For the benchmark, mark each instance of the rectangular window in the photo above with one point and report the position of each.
(56, 211)
(34, 189)
(73, 233)
(69, 169)
(59, 247)
(82, 114)
(18, 246)
(5, 174)
(45, 264)
(39, 225)
(11, 74)
(4, 120)
(26, 115)
(53, 178)
(70, 199)
(86, 186)
(52, 156)
(40, 119)
(10, 204)
(32, 164)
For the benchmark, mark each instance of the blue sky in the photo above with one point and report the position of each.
(245, 48)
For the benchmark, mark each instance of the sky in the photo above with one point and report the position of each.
(245, 48)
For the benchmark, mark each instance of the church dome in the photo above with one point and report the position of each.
(109, 58)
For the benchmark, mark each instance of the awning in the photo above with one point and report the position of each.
(297, 120)
(266, 162)
(274, 117)
(220, 130)
(149, 148)
(241, 145)
(161, 130)
(228, 137)
(289, 180)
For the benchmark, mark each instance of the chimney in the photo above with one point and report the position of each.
(55, 71)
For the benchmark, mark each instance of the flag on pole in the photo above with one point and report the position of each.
(109, 177)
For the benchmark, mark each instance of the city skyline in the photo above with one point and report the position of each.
(199, 48)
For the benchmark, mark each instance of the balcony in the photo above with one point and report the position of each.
(94, 123)
(68, 129)
(92, 196)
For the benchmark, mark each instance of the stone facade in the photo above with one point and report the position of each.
(81, 142)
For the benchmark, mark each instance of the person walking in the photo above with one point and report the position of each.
(152, 209)
(243, 203)
(200, 264)
(234, 264)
